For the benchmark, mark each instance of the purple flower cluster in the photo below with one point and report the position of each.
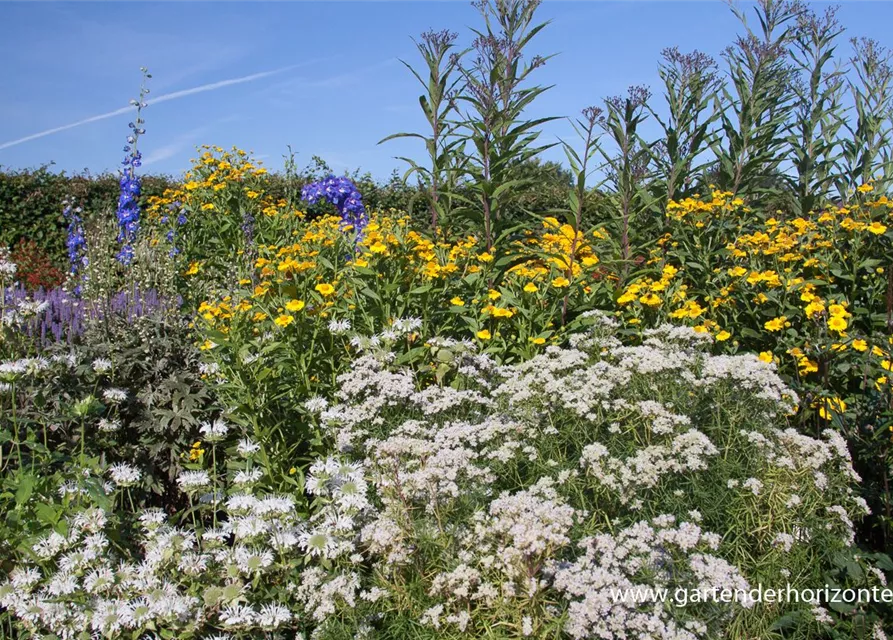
(63, 317)
(342, 193)
(76, 243)
(128, 212)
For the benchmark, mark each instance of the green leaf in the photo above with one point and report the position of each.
(25, 488)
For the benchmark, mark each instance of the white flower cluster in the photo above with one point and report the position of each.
(518, 498)
(645, 556)
(7, 266)
(186, 583)
(489, 481)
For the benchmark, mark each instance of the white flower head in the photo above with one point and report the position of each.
(214, 431)
(114, 396)
(102, 365)
(124, 475)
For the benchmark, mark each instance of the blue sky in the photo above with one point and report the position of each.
(323, 77)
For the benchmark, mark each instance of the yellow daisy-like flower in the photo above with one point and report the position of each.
(860, 345)
(766, 356)
(776, 324)
(837, 323)
(865, 188)
(483, 334)
(457, 301)
(284, 320)
(325, 288)
(485, 257)
(650, 300)
(538, 340)
(838, 310)
(194, 268)
(560, 282)
(831, 406)
(207, 345)
(877, 228)
(498, 312)
(722, 336)
(360, 262)
(378, 247)
(294, 305)
(814, 308)
(530, 288)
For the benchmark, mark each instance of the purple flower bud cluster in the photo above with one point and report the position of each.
(179, 221)
(342, 193)
(60, 317)
(128, 211)
(76, 243)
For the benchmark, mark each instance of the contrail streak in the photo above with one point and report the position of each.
(163, 98)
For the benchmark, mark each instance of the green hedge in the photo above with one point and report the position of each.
(31, 204)
(31, 199)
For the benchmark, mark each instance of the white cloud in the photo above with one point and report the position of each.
(175, 95)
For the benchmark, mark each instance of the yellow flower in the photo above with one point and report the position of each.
(292, 471)
(538, 340)
(494, 295)
(207, 345)
(877, 228)
(700, 329)
(360, 262)
(378, 247)
(814, 308)
(650, 300)
(259, 316)
(722, 336)
(737, 272)
(294, 305)
(776, 324)
(498, 312)
(837, 323)
(485, 257)
(530, 288)
(865, 188)
(886, 364)
(457, 301)
(207, 207)
(284, 320)
(766, 356)
(194, 268)
(838, 310)
(325, 288)
(831, 406)
(483, 334)
(807, 366)
(860, 345)
(560, 282)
